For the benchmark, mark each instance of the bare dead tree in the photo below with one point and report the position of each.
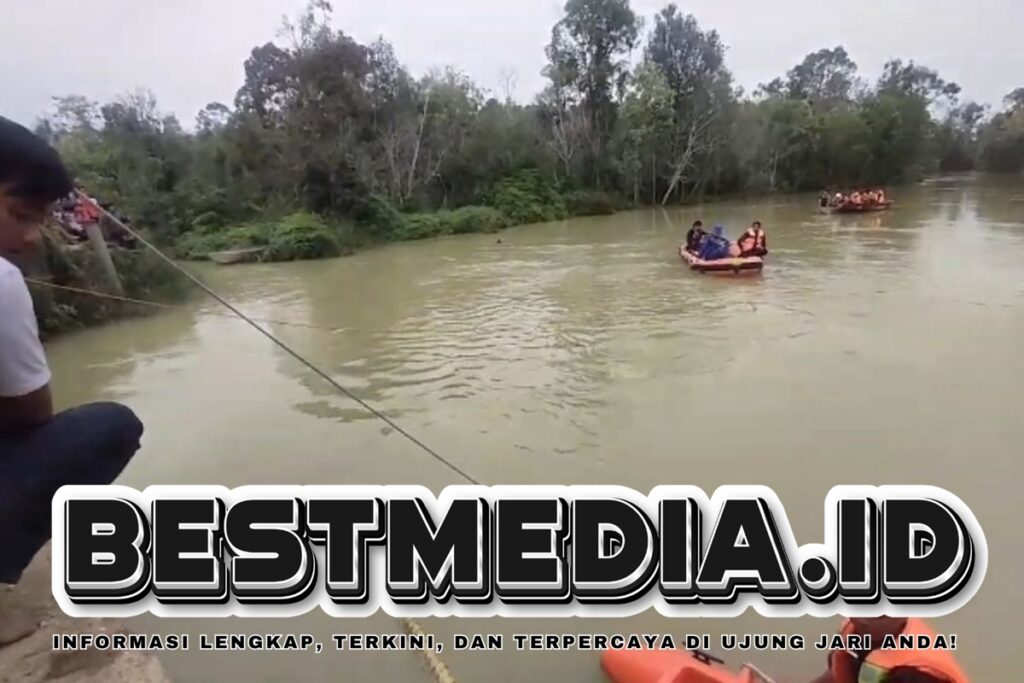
(691, 141)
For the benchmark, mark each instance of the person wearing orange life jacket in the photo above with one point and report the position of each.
(753, 242)
(891, 666)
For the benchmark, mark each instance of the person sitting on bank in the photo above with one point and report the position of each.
(39, 451)
(890, 666)
(753, 242)
(694, 236)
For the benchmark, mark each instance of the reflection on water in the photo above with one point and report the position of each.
(874, 349)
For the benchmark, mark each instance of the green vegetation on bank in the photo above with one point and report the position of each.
(525, 197)
(331, 144)
(143, 275)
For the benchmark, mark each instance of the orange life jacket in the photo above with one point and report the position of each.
(847, 667)
(86, 211)
(752, 239)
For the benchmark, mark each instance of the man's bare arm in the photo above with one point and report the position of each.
(28, 411)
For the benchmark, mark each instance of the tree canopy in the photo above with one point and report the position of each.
(326, 125)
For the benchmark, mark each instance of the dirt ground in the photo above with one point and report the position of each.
(31, 659)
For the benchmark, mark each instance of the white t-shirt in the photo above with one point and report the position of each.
(23, 367)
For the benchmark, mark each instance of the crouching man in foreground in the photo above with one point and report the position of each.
(39, 451)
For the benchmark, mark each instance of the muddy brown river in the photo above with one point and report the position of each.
(876, 349)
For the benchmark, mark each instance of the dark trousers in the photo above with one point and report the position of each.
(87, 445)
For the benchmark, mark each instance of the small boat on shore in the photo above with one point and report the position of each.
(232, 256)
(750, 265)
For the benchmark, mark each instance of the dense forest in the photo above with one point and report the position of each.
(330, 143)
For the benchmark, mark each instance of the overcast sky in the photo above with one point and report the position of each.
(190, 52)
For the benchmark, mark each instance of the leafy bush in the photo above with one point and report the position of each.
(467, 219)
(381, 217)
(196, 245)
(527, 197)
(418, 226)
(302, 236)
(590, 203)
(485, 219)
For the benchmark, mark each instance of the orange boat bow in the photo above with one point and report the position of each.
(670, 666)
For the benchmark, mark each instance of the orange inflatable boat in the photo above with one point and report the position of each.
(673, 666)
(862, 208)
(751, 265)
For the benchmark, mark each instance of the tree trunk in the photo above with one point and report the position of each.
(676, 176)
(654, 178)
(416, 150)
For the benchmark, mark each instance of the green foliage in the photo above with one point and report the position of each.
(467, 219)
(527, 197)
(298, 236)
(381, 218)
(196, 246)
(301, 236)
(1002, 140)
(143, 275)
(591, 203)
(323, 126)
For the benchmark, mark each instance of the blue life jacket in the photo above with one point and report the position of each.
(714, 246)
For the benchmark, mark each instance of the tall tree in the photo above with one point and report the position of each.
(648, 117)
(588, 67)
(826, 77)
(693, 62)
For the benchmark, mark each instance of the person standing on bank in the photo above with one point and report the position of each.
(39, 451)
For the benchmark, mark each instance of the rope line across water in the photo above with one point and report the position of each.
(286, 348)
(437, 669)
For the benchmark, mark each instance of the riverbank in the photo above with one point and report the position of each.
(69, 290)
(31, 658)
(522, 199)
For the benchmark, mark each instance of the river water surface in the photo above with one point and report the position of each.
(876, 349)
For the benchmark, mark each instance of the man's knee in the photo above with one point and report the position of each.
(111, 430)
(110, 420)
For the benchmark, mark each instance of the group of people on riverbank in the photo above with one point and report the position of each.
(710, 246)
(857, 198)
(73, 213)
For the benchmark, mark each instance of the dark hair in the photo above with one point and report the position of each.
(30, 169)
(698, 224)
(757, 223)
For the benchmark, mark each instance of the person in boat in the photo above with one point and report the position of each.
(753, 242)
(40, 451)
(823, 199)
(890, 666)
(694, 236)
(856, 198)
(714, 246)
